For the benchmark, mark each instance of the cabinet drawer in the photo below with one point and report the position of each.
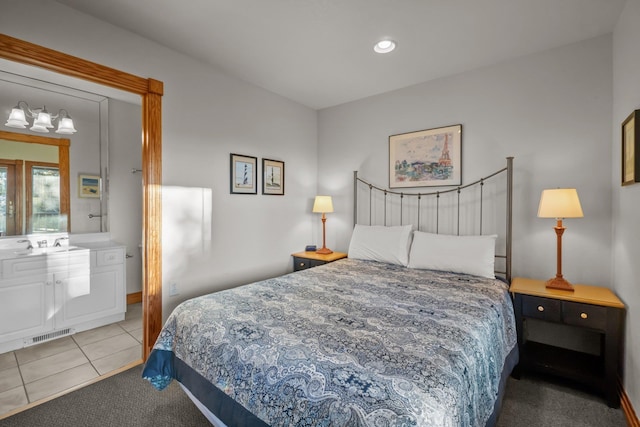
(304, 263)
(541, 308)
(110, 257)
(20, 267)
(40, 264)
(584, 315)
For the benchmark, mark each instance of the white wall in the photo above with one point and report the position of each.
(551, 111)
(125, 188)
(626, 200)
(206, 116)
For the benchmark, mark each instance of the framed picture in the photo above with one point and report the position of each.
(89, 186)
(272, 177)
(630, 153)
(426, 158)
(244, 174)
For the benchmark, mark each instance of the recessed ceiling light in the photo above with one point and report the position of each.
(384, 46)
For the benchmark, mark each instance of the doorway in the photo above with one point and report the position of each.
(151, 92)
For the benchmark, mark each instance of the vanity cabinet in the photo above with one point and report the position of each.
(50, 295)
(31, 294)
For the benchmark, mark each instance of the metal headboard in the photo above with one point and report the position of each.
(432, 203)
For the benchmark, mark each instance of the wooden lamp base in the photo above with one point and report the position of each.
(559, 283)
(324, 250)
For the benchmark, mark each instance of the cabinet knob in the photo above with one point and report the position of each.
(540, 308)
(58, 282)
(302, 264)
(583, 315)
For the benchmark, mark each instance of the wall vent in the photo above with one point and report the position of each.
(48, 336)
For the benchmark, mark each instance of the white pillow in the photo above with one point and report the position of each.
(379, 243)
(460, 254)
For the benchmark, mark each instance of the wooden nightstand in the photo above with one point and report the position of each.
(595, 311)
(304, 260)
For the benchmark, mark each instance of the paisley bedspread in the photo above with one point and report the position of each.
(349, 343)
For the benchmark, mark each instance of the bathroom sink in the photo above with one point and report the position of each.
(47, 250)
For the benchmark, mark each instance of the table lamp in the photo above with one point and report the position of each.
(323, 204)
(559, 203)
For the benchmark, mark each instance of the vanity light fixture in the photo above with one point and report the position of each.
(384, 46)
(41, 119)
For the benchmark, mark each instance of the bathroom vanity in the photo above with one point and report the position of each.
(50, 292)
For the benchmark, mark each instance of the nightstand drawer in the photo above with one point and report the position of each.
(304, 260)
(541, 308)
(584, 315)
(304, 263)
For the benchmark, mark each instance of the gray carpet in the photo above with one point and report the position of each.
(122, 400)
(128, 400)
(536, 402)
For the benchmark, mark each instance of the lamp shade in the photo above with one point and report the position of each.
(322, 204)
(65, 126)
(560, 203)
(17, 118)
(43, 119)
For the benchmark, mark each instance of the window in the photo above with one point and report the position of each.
(43, 196)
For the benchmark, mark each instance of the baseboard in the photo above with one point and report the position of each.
(134, 298)
(627, 408)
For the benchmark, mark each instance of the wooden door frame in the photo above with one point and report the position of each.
(151, 92)
(17, 167)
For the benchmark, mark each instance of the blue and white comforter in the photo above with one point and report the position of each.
(350, 343)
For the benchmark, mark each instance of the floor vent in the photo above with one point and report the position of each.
(47, 337)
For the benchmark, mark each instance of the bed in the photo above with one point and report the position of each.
(378, 339)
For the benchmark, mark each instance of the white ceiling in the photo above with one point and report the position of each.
(320, 52)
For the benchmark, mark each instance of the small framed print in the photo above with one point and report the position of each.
(426, 158)
(630, 153)
(243, 174)
(89, 186)
(272, 177)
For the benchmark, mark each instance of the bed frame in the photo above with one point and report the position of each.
(458, 210)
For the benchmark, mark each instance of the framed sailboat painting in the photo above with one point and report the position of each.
(244, 174)
(426, 158)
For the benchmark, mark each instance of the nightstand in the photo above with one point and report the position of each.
(304, 260)
(591, 310)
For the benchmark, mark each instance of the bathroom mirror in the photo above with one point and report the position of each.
(37, 208)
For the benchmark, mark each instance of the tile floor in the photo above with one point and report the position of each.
(33, 373)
